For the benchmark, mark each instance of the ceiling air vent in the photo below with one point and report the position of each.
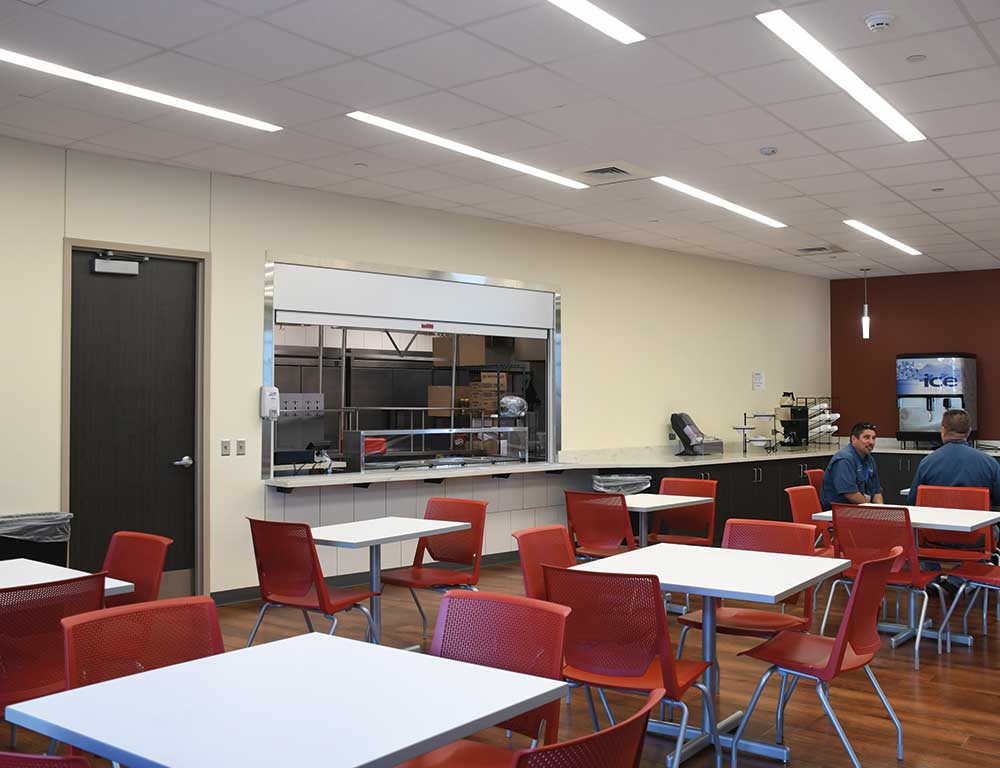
(612, 171)
(608, 170)
(818, 250)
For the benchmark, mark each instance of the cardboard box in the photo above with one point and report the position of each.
(490, 379)
(439, 397)
(471, 350)
(527, 350)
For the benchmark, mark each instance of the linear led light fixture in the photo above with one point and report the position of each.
(600, 20)
(871, 232)
(465, 149)
(11, 57)
(708, 197)
(781, 24)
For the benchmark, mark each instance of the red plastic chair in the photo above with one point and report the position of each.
(138, 558)
(982, 578)
(17, 760)
(804, 500)
(31, 636)
(975, 546)
(816, 479)
(545, 545)
(117, 642)
(505, 632)
(599, 523)
(619, 746)
(699, 520)
(823, 659)
(760, 536)
(290, 574)
(863, 533)
(461, 548)
(616, 637)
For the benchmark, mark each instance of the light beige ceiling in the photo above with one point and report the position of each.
(696, 101)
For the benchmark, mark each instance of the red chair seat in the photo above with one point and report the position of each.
(339, 598)
(465, 753)
(824, 552)
(671, 538)
(752, 622)
(688, 673)
(951, 555)
(980, 573)
(806, 653)
(427, 577)
(903, 578)
(601, 551)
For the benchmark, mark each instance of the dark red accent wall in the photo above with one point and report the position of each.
(940, 312)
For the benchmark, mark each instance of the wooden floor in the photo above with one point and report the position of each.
(950, 709)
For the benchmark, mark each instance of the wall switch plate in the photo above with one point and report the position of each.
(227, 447)
(241, 447)
(671, 436)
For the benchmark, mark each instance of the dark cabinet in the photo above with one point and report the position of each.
(755, 488)
(895, 472)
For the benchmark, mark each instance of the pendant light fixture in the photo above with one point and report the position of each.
(866, 322)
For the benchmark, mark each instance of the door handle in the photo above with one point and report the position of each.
(185, 461)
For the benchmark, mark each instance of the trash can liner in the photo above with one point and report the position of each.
(42, 527)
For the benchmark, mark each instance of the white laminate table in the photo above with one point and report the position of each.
(21, 572)
(644, 503)
(373, 534)
(307, 700)
(759, 577)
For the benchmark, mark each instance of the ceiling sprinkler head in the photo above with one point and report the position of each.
(768, 151)
(879, 21)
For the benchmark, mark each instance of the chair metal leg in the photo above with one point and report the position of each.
(680, 642)
(371, 635)
(829, 602)
(712, 725)
(423, 616)
(607, 709)
(333, 624)
(822, 690)
(256, 626)
(779, 715)
(309, 624)
(593, 709)
(676, 761)
(920, 629)
(943, 629)
(889, 709)
(951, 609)
(750, 708)
(968, 608)
(986, 607)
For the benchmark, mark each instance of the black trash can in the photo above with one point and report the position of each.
(41, 536)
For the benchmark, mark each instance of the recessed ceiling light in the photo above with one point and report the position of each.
(464, 149)
(600, 20)
(781, 24)
(58, 70)
(769, 151)
(872, 232)
(708, 197)
(916, 58)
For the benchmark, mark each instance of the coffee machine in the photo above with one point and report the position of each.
(927, 385)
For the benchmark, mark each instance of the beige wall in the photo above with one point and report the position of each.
(646, 332)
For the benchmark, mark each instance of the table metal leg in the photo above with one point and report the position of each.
(375, 585)
(643, 527)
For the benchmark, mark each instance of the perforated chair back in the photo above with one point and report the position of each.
(619, 746)
(804, 501)
(816, 479)
(598, 520)
(863, 533)
(618, 626)
(773, 536)
(506, 632)
(859, 627)
(287, 563)
(138, 558)
(699, 519)
(545, 545)
(18, 760)
(461, 547)
(31, 636)
(956, 498)
(116, 642)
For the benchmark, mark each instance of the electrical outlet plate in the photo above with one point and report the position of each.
(227, 447)
(241, 447)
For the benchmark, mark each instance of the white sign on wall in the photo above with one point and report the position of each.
(757, 381)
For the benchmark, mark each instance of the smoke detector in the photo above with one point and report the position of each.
(769, 151)
(879, 21)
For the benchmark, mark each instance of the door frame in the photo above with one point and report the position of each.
(203, 262)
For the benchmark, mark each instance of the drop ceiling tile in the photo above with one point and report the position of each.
(367, 188)
(424, 200)
(920, 172)
(347, 131)
(644, 65)
(958, 120)
(417, 180)
(901, 223)
(504, 136)
(960, 88)
(728, 46)
(240, 48)
(254, 7)
(357, 28)
(925, 191)
(55, 120)
(971, 144)
(982, 10)
(870, 133)
(595, 228)
(676, 101)
(840, 23)
(361, 164)
(781, 81)
(185, 77)
(35, 32)
(566, 154)
(804, 167)
(652, 17)
(461, 12)
(959, 202)
(280, 105)
(585, 120)
(530, 90)
(166, 23)
(983, 229)
(907, 153)
(26, 83)
(230, 160)
(476, 171)
(992, 33)
(147, 141)
(473, 194)
(991, 182)
(542, 33)
(820, 111)
(730, 126)
(97, 149)
(298, 175)
(981, 166)
(517, 206)
(841, 182)
(439, 112)
(450, 59)
(858, 197)
(102, 102)
(789, 145)
(989, 213)
(418, 153)
(34, 135)
(877, 210)
(358, 84)
(288, 144)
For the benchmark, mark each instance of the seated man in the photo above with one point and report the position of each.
(851, 476)
(956, 463)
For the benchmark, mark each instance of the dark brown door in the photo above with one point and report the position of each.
(133, 408)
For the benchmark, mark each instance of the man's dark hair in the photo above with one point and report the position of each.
(957, 421)
(860, 427)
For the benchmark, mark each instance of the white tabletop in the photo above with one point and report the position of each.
(21, 572)
(940, 518)
(311, 699)
(653, 502)
(760, 577)
(382, 530)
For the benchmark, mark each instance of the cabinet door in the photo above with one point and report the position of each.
(791, 472)
(892, 474)
(768, 486)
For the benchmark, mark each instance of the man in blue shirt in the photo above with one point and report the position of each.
(956, 463)
(851, 476)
